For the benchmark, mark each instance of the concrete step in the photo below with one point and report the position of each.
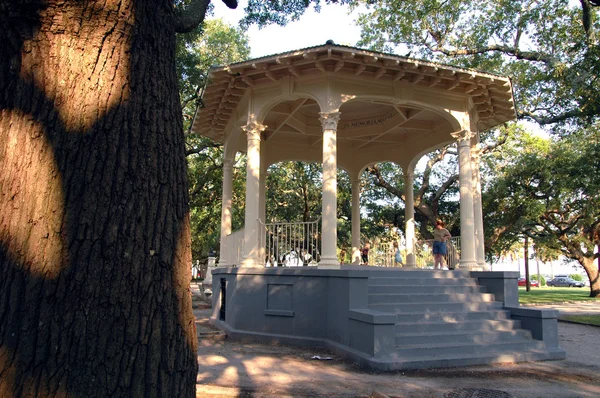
(448, 316)
(481, 325)
(466, 349)
(420, 281)
(464, 288)
(473, 337)
(436, 307)
(396, 362)
(429, 297)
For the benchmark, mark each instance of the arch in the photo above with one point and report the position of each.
(272, 102)
(384, 98)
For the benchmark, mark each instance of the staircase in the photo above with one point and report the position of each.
(445, 319)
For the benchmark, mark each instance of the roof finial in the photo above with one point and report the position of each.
(329, 42)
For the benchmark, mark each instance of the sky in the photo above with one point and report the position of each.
(313, 29)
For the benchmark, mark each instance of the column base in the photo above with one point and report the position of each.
(355, 256)
(410, 261)
(329, 263)
(222, 263)
(251, 263)
(470, 265)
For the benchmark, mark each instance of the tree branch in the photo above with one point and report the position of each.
(187, 19)
(379, 180)
(201, 148)
(551, 119)
(447, 184)
(536, 56)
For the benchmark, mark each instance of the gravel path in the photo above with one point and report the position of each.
(235, 369)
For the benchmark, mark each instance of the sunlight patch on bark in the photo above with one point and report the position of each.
(56, 59)
(31, 187)
(182, 264)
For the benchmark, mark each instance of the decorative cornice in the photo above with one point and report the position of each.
(463, 136)
(329, 120)
(253, 130)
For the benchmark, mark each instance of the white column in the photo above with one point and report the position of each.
(356, 221)
(262, 206)
(329, 122)
(467, 222)
(409, 215)
(477, 210)
(226, 196)
(251, 254)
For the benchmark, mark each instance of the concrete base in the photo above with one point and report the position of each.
(385, 318)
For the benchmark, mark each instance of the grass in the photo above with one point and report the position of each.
(554, 295)
(589, 319)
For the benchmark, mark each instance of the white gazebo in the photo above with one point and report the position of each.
(348, 107)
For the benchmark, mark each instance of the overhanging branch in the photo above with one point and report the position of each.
(551, 119)
(536, 56)
(188, 18)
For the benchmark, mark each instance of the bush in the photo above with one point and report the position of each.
(542, 282)
(576, 277)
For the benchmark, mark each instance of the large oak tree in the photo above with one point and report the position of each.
(94, 227)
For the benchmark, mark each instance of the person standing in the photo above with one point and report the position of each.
(365, 254)
(440, 236)
(397, 255)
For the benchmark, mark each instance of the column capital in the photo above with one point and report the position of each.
(329, 120)
(463, 137)
(253, 130)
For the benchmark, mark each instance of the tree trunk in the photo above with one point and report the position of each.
(526, 259)
(593, 275)
(94, 232)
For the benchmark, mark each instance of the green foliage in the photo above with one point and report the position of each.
(576, 277)
(542, 282)
(548, 190)
(215, 43)
(435, 195)
(344, 213)
(550, 54)
(294, 192)
(280, 12)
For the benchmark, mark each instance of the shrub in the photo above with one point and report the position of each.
(576, 277)
(542, 281)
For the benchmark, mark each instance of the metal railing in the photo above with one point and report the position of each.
(291, 244)
(424, 253)
(382, 254)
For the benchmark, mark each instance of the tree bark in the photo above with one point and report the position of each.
(526, 259)
(95, 261)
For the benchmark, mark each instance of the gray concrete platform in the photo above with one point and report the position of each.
(361, 313)
(234, 369)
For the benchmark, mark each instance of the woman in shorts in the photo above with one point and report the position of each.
(440, 236)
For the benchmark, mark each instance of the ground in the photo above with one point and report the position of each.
(235, 369)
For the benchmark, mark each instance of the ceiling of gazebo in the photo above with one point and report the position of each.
(363, 125)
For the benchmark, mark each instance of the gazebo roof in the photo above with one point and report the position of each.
(491, 94)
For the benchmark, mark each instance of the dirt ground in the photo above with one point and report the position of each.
(233, 369)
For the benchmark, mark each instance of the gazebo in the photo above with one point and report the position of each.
(344, 107)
